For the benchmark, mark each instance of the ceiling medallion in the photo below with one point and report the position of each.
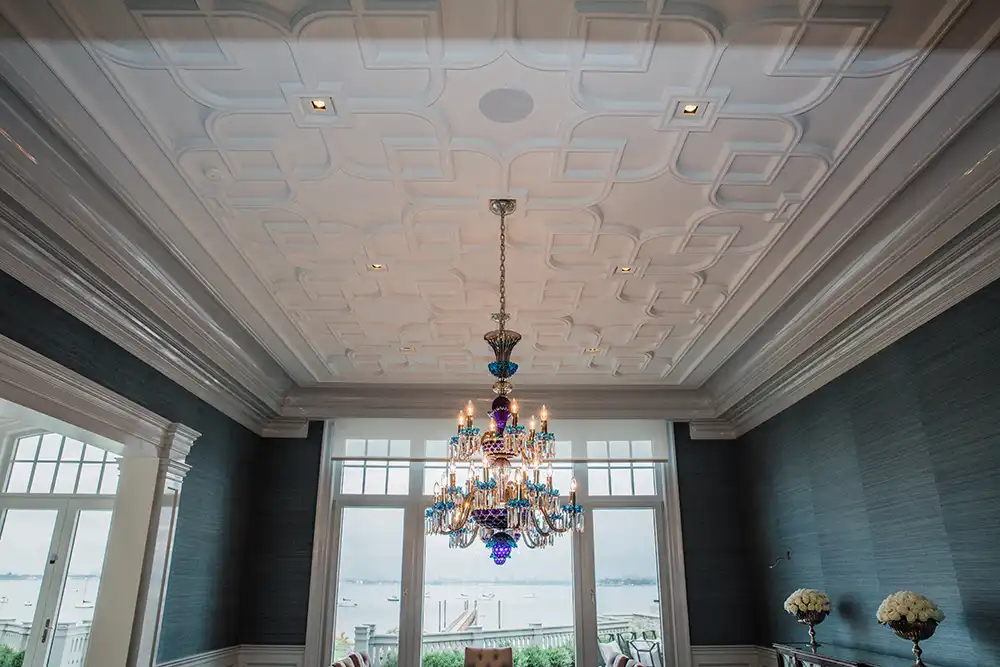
(503, 503)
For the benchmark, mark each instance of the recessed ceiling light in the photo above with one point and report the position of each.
(690, 109)
(406, 348)
(319, 105)
(593, 350)
(377, 267)
(625, 269)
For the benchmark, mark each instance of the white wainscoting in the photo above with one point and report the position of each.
(272, 656)
(244, 656)
(293, 656)
(225, 657)
(732, 656)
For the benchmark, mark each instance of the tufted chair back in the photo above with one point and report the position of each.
(489, 657)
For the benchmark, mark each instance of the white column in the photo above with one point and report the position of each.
(134, 576)
(159, 546)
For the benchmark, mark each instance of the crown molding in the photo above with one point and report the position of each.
(443, 401)
(286, 427)
(712, 429)
(69, 238)
(955, 191)
(35, 382)
(965, 265)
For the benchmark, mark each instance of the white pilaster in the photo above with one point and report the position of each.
(159, 545)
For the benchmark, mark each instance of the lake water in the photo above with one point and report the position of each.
(501, 606)
(14, 593)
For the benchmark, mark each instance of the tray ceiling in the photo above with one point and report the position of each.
(576, 109)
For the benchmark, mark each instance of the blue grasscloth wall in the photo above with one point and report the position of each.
(202, 610)
(716, 538)
(888, 478)
(284, 480)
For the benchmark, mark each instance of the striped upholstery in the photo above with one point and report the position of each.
(353, 660)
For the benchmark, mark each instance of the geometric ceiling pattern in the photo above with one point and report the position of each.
(679, 139)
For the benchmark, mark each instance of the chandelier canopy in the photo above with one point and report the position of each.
(504, 501)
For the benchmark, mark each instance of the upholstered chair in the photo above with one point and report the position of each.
(489, 657)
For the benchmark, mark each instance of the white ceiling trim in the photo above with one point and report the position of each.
(966, 265)
(130, 289)
(443, 401)
(948, 196)
(136, 201)
(918, 126)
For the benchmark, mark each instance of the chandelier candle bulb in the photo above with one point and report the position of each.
(513, 412)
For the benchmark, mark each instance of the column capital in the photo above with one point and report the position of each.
(177, 441)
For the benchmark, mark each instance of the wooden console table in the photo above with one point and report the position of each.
(802, 655)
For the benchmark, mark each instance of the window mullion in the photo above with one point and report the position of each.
(410, 622)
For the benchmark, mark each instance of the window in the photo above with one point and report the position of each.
(617, 474)
(628, 589)
(369, 586)
(51, 463)
(371, 470)
(528, 601)
(384, 471)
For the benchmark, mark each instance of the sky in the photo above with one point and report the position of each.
(26, 537)
(623, 548)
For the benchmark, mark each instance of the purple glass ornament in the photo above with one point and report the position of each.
(501, 412)
(491, 518)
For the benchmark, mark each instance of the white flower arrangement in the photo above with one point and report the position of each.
(806, 600)
(909, 607)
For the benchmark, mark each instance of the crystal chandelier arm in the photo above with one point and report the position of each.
(549, 526)
(462, 518)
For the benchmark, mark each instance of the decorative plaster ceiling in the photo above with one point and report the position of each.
(589, 134)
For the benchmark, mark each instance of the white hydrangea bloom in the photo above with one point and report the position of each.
(909, 606)
(807, 600)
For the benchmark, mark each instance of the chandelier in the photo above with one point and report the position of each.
(502, 503)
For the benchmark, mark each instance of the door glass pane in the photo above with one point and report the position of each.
(526, 604)
(369, 583)
(24, 548)
(628, 592)
(71, 628)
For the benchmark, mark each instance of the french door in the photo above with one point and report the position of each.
(51, 557)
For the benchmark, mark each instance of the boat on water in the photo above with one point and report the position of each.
(463, 595)
(488, 596)
(85, 603)
(344, 602)
(393, 598)
(427, 595)
(29, 604)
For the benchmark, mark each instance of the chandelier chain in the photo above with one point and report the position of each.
(503, 268)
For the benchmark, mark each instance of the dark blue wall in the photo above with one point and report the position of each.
(888, 478)
(279, 541)
(202, 610)
(716, 556)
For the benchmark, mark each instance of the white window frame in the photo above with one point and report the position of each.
(330, 504)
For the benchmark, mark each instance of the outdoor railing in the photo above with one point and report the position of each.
(380, 647)
(69, 640)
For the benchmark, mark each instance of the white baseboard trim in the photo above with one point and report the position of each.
(271, 656)
(223, 657)
(244, 656)
(732, 656)
(294, 656)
